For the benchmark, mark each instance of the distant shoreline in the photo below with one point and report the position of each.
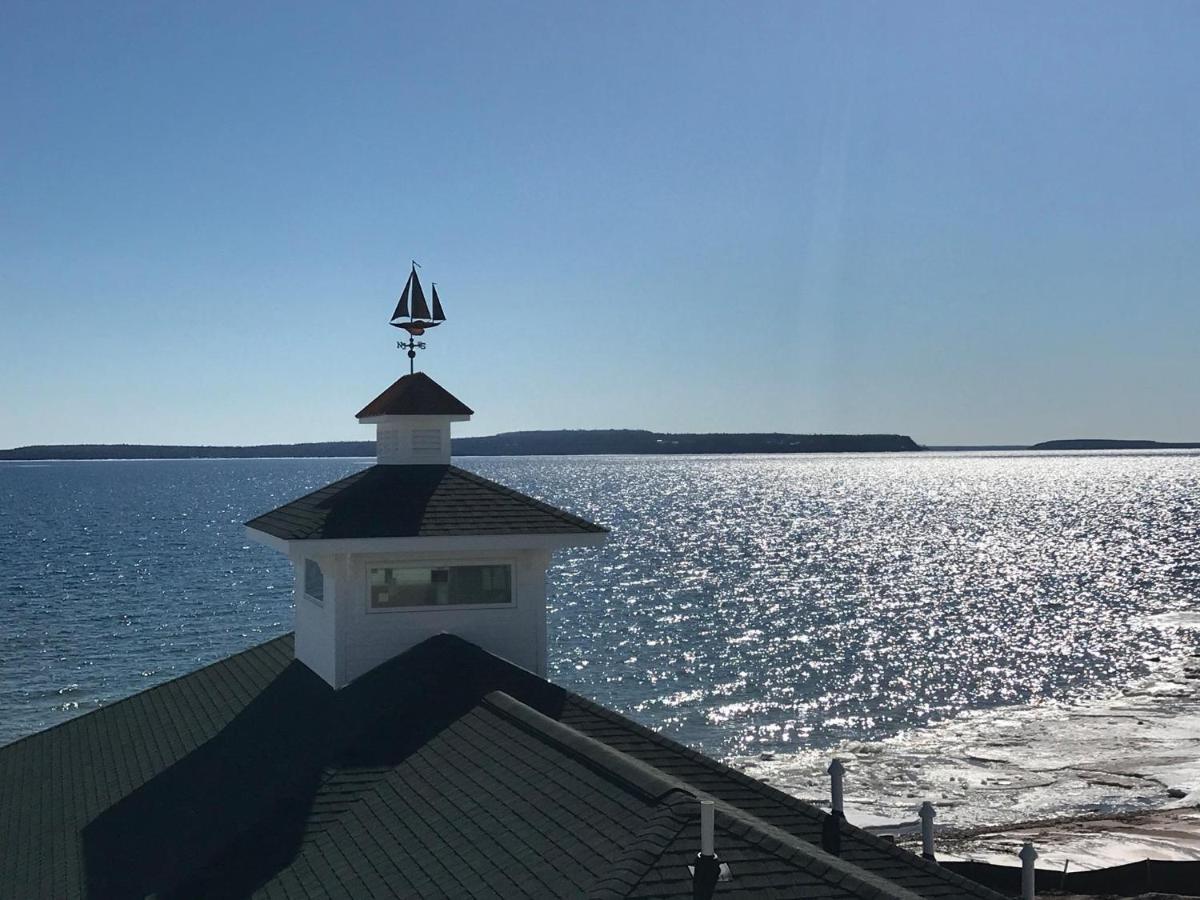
(571, 443)
(518, 443)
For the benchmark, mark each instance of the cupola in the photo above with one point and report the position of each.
(412, 421)
(414, 546)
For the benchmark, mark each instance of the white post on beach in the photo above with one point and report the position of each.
(836, 771)
(1028, 855)
(927, 812)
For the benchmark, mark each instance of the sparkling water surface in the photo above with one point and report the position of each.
(745, 605)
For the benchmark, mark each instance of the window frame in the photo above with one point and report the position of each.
(320, 601)
(510, 564)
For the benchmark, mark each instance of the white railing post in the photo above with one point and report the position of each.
(927, 813)
(1028, 856)
(836, 771)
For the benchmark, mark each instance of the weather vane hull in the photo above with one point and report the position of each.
(415, 327)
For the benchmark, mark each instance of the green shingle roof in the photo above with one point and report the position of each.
(444, 772)
(416, 501)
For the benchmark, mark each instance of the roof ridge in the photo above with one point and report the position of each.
(153, 688)
(794, 803)
(642, 777)
(813, 859)
(644, 848)
(659, 786)
(339, 788)
(512, 492)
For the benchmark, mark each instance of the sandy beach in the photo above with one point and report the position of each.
(1100, 783)
(1082, 843)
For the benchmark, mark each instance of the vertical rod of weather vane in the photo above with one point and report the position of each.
(927, 814)
(707, 870)
(1028, 855)
(831, 833)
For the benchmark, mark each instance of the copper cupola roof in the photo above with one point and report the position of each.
(415, 395)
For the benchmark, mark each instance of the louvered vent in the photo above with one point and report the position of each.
(427, 443)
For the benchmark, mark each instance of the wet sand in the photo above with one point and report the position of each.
(1133, 757)
(1085, 843)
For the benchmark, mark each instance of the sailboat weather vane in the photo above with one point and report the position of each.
(419, 316)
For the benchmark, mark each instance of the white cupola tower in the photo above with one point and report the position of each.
(414, 546)
(412, 421)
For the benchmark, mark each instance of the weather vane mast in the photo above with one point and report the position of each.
(419, 316)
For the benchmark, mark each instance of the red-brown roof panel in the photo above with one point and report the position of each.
(415, 395)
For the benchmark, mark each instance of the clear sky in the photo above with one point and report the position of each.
(965, 222)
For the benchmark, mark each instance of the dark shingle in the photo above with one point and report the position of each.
(772, 806)
(445, 771)
(416, 501)
(91, 763)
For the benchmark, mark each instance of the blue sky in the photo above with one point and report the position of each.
(964, 222)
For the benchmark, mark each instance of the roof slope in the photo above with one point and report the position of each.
(416, 501)
(415, 395)
(53, 783)
(446, 771)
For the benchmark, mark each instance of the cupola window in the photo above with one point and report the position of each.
(406, 587)
(314, 581)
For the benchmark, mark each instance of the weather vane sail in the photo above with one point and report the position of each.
(413, 307)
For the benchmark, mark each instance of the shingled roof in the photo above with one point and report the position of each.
(416, 501)
(415, 395)
(444, 772)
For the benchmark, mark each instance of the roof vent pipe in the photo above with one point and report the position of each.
(707, 870)
(836, 771)
(926, 813)
(707, 818)
(1028, 855)
(831, 832)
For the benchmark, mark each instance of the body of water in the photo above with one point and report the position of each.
(962, 627)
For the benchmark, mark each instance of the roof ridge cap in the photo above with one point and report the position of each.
(513, 492)
(793, 849)
(794, 803)
(640, 776)
(754, 830)
(644, 848)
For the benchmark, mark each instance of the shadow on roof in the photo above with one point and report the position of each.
(226, 817)
(406, 490)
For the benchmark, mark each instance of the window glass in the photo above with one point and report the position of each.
(314, 580)
(393, 587)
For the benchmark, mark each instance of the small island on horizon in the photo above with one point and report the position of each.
(1111, 444)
